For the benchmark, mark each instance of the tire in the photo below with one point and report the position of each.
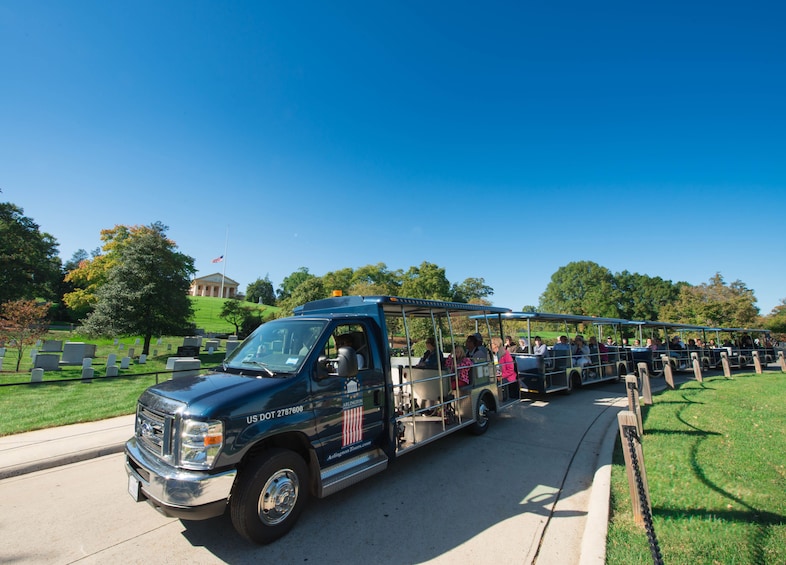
(575, 379)
(481, 423)
(270, 495)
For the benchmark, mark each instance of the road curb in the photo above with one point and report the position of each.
(59, 460)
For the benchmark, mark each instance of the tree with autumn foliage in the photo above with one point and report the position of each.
(714, 304)
(90, 274)
(145, 288)
(24, 322)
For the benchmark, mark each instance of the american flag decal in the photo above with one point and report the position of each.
(353, 426)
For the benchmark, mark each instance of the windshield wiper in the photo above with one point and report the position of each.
(263, 366)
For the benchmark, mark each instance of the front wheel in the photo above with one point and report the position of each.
(270, 496)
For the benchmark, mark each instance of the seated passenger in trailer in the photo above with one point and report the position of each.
(540, 347)
(505, 369)
(475, 348)
(459, 362)
(430, 359)
(581, 352)
(599, 348)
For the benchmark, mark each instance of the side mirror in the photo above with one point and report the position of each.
(346, 363)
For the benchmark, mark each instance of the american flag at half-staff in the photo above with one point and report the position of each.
(353, 426)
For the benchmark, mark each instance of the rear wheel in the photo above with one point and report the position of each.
(482, 410)
(575, 379)
(270, 496)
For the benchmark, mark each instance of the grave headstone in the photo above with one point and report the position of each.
(37, 376)
(121, 346)
(159, 341)
(52, 346)
(125, 362)
(2, 351)
(47, 361)
(75, 351)
(231, 346)
(87, 374)
(111, 359)
(131, 351)
(111, 371)
(137, 342)
(142, 359)
(155, 353)
(87, 362)
(169, 347)
(115, 341)
(192, 341)
(186, 368)
(187, 351)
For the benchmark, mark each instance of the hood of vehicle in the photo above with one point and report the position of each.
(219, 393)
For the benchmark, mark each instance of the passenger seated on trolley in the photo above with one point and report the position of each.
(429, 359)
(581, 352)
(459, 362)
(599, 348)
(475, 349)
(540, 347)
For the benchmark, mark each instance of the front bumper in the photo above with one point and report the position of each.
(179, 493)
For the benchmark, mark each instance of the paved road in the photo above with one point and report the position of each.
(518, 494)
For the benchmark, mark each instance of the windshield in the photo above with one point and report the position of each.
(277, 347)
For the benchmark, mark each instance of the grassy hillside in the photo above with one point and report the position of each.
(207, 310)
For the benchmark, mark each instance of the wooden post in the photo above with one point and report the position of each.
(782, 361)
(646, 392)
(696, 366)
(667, 372)
(725, 363)
(626, 421)
(632, 386)
(756, 362)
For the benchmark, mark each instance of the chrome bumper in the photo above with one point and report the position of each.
(177, 492)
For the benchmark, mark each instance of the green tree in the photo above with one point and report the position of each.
(714, 304)
(261, 292)
(641, 297)
(775, 321)
(23, 321)
(583, 288)
(471, 289)
(29, 263)
(310, 289)
(290, 283)
(90, 274)
(146, 289)
(338, 280)
(376, 279)
(234, 312)
(426, 281)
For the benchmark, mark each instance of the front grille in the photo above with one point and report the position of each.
(154, 431)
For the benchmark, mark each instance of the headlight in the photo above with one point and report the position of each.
(200, 443)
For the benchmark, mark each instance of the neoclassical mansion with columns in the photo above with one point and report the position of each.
(210, 285)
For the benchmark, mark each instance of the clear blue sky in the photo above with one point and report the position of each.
(499, 140)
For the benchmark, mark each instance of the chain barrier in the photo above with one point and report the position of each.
(657, 559)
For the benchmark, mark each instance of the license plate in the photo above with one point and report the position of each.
(134, 489)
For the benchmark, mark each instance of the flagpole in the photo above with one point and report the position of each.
(224, 270)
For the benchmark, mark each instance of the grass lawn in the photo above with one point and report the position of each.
(714, 460)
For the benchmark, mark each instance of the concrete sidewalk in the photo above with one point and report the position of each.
(52, 447)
